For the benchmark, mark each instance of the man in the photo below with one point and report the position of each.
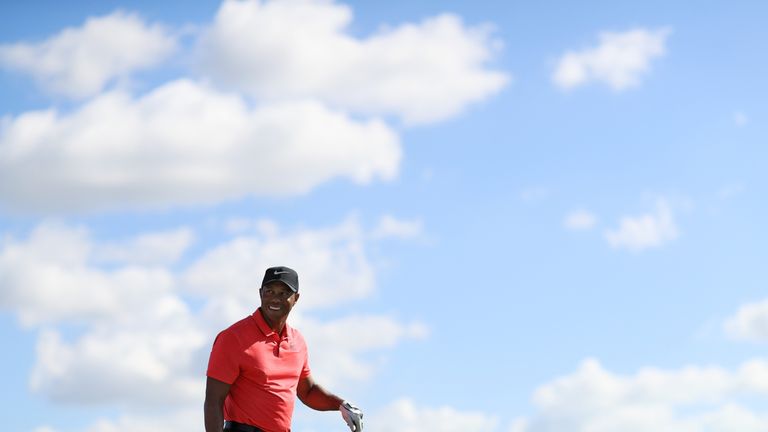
(259, 364)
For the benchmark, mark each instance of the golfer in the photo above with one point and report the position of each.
(260, 363)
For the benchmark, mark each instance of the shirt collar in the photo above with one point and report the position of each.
(261, 323)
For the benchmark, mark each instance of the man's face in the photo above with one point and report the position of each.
(277, 300)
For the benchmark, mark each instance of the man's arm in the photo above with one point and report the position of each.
(315, 396)
(215, 393)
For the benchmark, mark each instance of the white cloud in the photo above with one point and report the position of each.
(389, 226)
(79, 62)
(175, 421)
(159, 248)
(137, 364)
(139, 343)
(332, 265)
(750, 322)
(579, 220)
(645, 231)
(690, 399)
(245, 225)
(186, 143)
(403, 415)
(294, 49)
(49, 278)
(620, 60)
(345, 340)
(142, 344)
(183, 143)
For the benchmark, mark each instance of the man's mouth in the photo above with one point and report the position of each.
(274, 308)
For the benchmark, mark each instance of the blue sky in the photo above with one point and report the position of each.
(512, 218)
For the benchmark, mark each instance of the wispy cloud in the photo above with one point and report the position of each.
(620, 60)
(347, 344)
(177, 420)
(749, 323)
(332, 261)
(390, 226)
(645, 231)
(404, 415)
(160, 248)
(692, 398)
(580, 220)
(81, 61)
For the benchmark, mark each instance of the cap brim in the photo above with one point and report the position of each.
(283, 282)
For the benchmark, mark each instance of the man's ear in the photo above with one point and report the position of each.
(297, 298)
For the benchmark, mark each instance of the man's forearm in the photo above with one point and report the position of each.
(320, 399)
(214, 417)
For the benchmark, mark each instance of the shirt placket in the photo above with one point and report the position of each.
(278, 342)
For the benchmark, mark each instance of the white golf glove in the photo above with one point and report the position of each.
(352, 415)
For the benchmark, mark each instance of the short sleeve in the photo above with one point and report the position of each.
(223, 364)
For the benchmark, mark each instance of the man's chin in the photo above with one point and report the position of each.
(274, 315)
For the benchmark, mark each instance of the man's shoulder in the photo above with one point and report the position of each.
(243, 327)
(296, 334)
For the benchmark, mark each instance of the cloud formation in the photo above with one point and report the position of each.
(689, 399)
(160, 248)
(345, 342)
(403, 415)
(332, 261)
(49, 278)
(145, 343)
(183, 143)
(145, 312)
(175, 421)
(650, 230)
(750, 322)
(580, 220)
(421, 72)
(390, 226)
(80, 62)
(620, 60)
(149, 364)
(288, 106)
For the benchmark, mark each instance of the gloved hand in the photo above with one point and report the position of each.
(352, 415)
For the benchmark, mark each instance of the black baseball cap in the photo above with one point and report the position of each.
(282, 274)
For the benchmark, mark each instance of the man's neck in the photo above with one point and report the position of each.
(278, 326)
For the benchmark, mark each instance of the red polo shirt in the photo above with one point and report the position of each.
(263, 368)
